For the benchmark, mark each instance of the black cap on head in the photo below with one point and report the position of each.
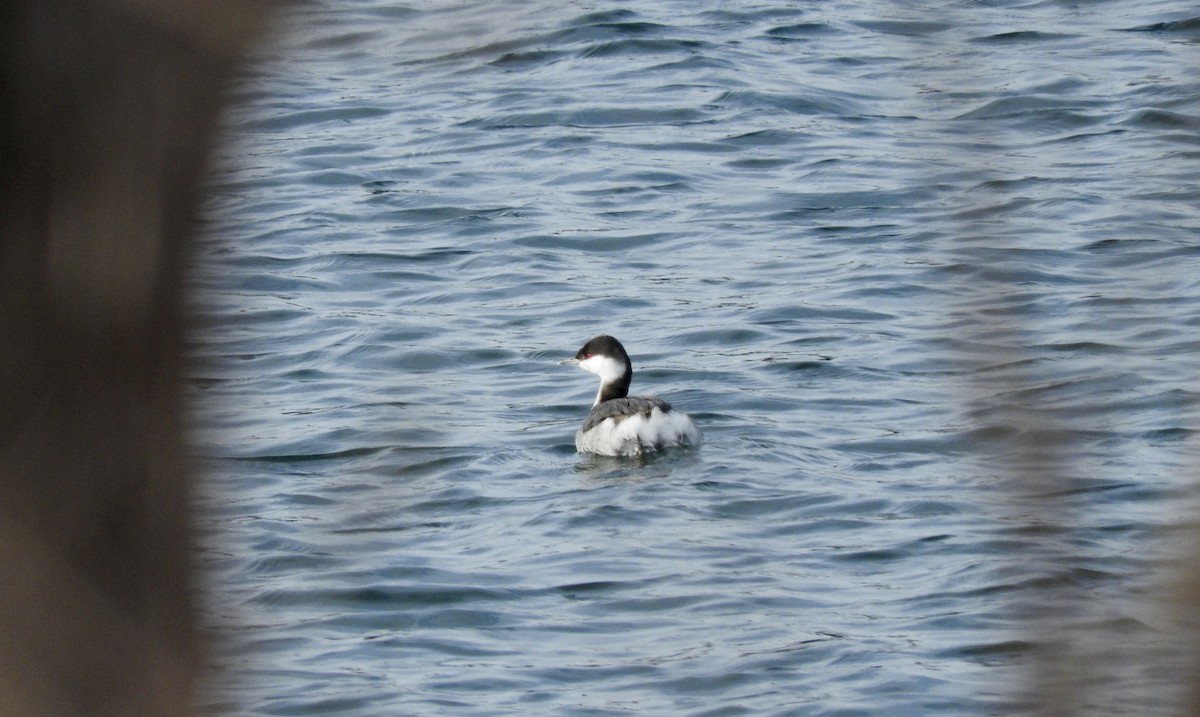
(603, 345)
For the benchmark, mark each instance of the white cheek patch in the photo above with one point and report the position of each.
(607, 368)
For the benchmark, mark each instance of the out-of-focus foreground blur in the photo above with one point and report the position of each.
(107, 109)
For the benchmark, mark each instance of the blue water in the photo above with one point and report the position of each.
(925, 274)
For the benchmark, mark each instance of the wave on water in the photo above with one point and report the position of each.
(924, 284)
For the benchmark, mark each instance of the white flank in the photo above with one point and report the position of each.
(639, 434)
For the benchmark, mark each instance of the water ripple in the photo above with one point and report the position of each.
(894, 266)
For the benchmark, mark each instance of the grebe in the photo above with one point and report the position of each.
(620, 424)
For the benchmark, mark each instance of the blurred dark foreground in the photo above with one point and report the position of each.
(107, 110)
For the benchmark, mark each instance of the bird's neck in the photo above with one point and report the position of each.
(617, 388)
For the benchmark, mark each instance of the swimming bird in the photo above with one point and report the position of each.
(620, 424)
